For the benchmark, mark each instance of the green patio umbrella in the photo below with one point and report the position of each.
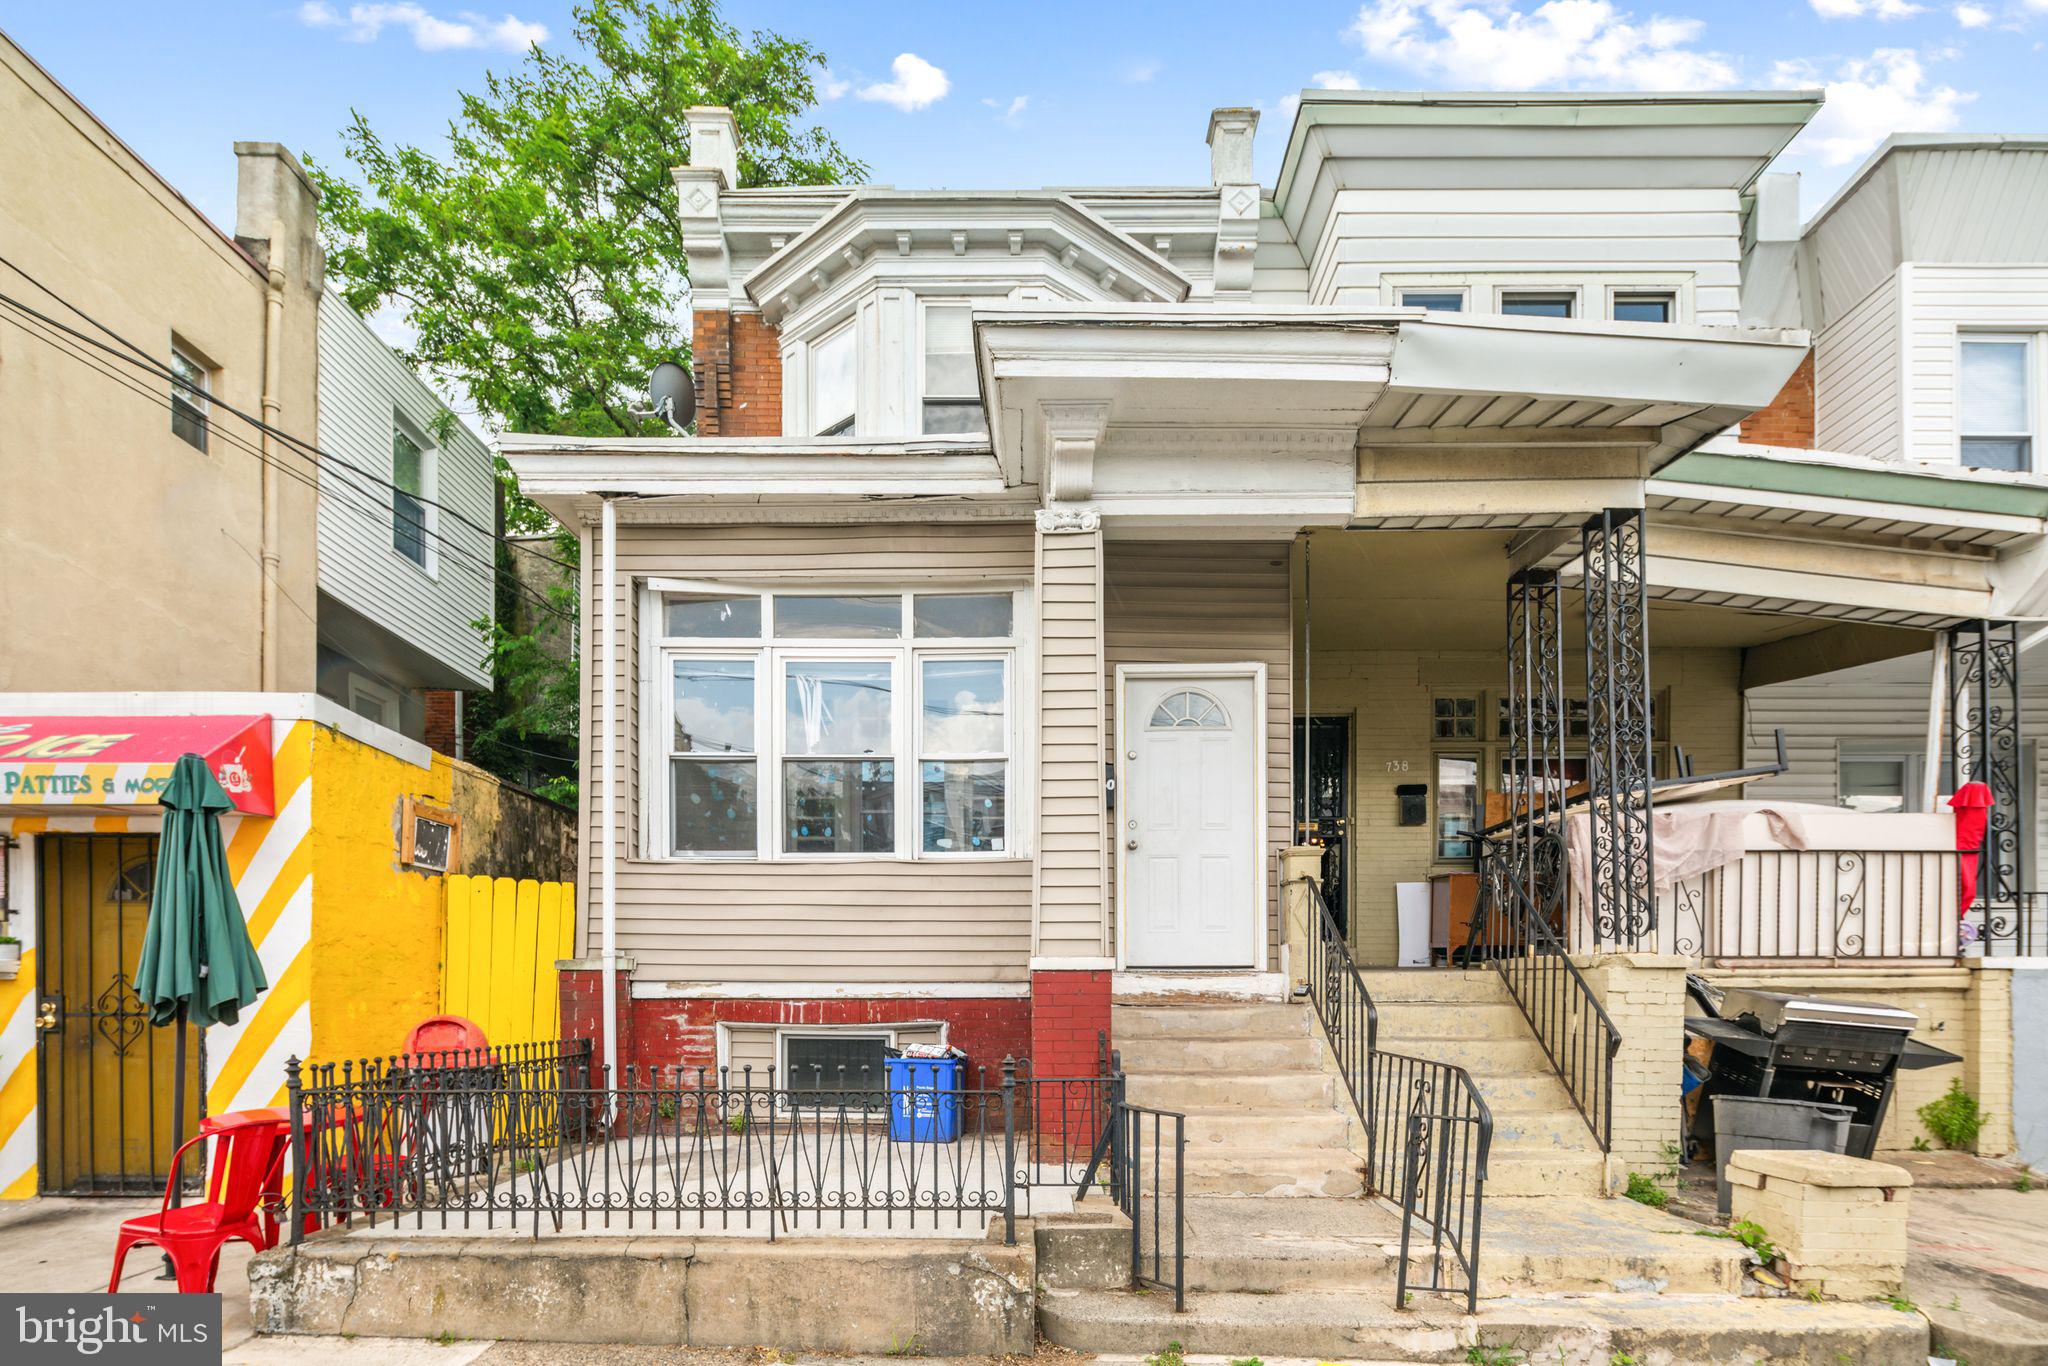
(198, 965)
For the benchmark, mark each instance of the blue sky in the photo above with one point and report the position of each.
(977, 95)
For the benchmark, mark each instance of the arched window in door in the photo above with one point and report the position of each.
(1189, 709)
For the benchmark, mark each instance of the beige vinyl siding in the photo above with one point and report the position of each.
(1856, 378)
(846, 921)
(1217, 603)
(1072, 848)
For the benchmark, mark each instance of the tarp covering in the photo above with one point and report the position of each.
(126, 761)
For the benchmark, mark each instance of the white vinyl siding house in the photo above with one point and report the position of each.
(1857, 363)
(408, 550)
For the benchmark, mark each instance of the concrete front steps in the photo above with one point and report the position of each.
(1265, 1116)
(1541, 1144)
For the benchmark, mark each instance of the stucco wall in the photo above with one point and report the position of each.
(129, 559)
(2030, 1064)
(377, 927)
(508, 831)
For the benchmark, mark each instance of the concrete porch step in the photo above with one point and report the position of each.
(1396, 986)
(1237, 1020)
(1704, 1330)
(1284, 1093)
(1509, 1053)
(1554, 1245)
(1324, 1128)
(1485, 1019)
(1273, 1172)
(1530, 1171)
(1221, 1053)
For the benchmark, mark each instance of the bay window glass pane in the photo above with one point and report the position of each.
(1537, 305)
(712, 616)
(949, 352)
(1433, 301)
(832, 374)
(964, 807)
(1994, 388)
(843, 707)
(964, 707)
(850, 617)
(1457, 806)
(839, 806)
(978, 616)
(714, 805)
(714, 706)
(1642, 308)
(1873, 783)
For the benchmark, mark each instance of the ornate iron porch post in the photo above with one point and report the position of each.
(1618, 727)
(1535, 728)
(1984, 747)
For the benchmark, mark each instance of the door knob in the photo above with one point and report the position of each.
(1130, 844)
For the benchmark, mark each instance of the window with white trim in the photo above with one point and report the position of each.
(818, 724)
(191, 396)
(833, 383)
(950, 393)
(1999, 400)
(412, 496)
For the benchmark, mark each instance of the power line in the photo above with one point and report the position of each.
(305, 449)
(462, 556)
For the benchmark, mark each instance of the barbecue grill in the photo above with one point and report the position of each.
(1787, 1047)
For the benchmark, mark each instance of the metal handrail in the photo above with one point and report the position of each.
(1577, 1035)
(1428, 1131)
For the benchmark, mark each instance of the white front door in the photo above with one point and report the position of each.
(1189, 821)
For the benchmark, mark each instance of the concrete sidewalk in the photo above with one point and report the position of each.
(1977, 1266)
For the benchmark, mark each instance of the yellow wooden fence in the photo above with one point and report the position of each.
(498, 960)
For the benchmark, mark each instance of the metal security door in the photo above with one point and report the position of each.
(1190, 823)
(105, 1074)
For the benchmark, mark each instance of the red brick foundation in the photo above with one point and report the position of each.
(1069, 1018)
(581, 991)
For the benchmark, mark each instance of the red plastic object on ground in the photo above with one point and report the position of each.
(1972, 804)
(443, 1034)
(248, 1157)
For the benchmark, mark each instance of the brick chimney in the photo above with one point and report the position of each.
(737, 356)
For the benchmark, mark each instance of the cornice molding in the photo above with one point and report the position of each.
(1059, 521)
(1073, 433)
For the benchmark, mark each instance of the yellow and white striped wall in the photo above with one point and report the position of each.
(273, 863)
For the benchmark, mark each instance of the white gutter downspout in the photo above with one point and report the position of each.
(608, 819)
(273, 407)
(1937, 700)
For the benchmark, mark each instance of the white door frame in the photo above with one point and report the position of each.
(1256, 672)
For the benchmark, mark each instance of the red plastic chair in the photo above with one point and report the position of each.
(248, 1156)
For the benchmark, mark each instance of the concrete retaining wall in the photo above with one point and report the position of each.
(862, 1295)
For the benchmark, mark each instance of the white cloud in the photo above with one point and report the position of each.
(1009, 111)
(831, 87)
(1858, 9)
(1334, 80)
(1868, 99)
(1497, 45)
(918, 84)
(1972, 16)
(430, 33)
(1143, 70)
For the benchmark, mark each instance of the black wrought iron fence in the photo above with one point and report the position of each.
(1515, 931)
(2015, 925)
(552, 1144)
(1427, 1129)
(1150, 1152)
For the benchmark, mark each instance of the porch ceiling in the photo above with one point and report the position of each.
(1445, 590)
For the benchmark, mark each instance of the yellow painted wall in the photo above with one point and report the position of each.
(503, 937)
(377, 926)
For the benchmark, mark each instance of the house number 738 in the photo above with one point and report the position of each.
(1397, 765)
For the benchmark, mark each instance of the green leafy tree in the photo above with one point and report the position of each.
(538, 261)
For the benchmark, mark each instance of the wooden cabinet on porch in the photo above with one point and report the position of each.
(1452, 899)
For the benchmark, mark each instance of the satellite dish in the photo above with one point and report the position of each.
(674, 395)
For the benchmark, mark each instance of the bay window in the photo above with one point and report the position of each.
(1997, 402)
(802, 724)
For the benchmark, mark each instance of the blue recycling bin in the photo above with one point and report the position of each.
(924, 1100)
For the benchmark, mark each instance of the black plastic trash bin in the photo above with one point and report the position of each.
(1759, 1122)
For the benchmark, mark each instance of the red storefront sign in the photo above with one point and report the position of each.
(125, 761)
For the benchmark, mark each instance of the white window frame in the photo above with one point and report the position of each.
(199, 398)
(1005, 660)
(430, 512)
(385, 696)
(1616, 293)
(772, 655)
(1464, 293)
(1573, 291)
(1483, 290)
(925, 304)
(2034, 369)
